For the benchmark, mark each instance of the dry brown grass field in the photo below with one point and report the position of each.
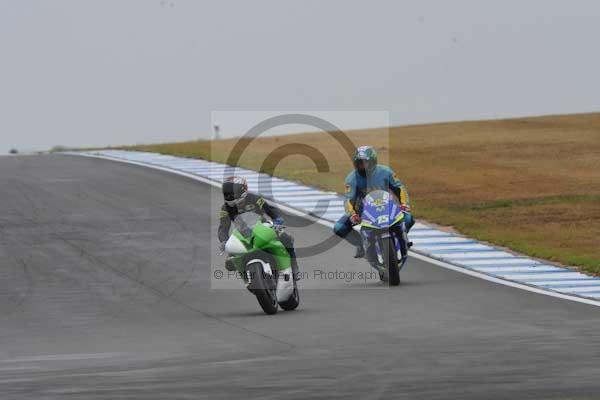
(530, 184)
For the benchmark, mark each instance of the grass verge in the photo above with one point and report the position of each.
(529, 184)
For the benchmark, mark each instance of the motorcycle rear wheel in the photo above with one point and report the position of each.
(293, 302)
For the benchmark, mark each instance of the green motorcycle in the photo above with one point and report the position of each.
(262, 261)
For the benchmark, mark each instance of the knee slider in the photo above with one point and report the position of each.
(339, 229)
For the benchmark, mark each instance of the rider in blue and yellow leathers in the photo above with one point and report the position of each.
(366, 177)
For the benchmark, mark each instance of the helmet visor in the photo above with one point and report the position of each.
(233, 192)
(361, 164)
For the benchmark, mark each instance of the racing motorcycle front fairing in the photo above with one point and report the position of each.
(381, 217)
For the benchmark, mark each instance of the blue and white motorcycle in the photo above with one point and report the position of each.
(384, 235)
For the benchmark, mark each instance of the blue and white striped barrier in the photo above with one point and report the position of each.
(452, 250)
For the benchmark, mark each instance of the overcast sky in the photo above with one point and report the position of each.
(133, 71)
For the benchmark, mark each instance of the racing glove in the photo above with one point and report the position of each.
(355, 219)
(278, 225)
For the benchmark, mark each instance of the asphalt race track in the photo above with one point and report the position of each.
(105, 274)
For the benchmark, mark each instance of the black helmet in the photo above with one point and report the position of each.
(235, 189)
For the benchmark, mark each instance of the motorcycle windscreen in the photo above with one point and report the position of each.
(244, 223)
(380, 210)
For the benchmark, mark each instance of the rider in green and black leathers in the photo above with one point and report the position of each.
(367, 176)
(238, 200)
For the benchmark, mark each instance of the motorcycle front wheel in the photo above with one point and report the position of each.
(390, 260)
(264, 288)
